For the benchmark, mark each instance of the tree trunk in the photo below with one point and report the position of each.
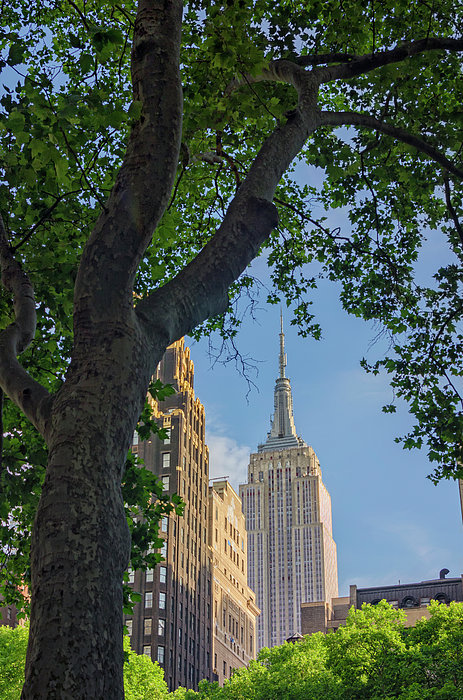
(81, 543)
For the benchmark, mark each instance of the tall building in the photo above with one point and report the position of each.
(234, 609)
(172, 623)
(291, 551)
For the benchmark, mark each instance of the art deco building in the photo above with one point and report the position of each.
(291, 551)
(172, 623)
(234, 608)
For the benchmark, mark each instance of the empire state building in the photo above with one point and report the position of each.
(291, 551)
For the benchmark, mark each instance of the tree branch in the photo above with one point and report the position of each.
(282, 71)
(321, 58)
(451, 210)
(144, 182)
(31, 397)
(356, 119)
(201, 289)
(369, 62)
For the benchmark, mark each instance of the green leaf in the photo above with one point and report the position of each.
(86, 61)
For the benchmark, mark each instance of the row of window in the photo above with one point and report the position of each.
(149, 575)
(148, 623)
(161, 652)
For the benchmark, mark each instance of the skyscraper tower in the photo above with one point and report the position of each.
(172, 622)
(291, 551)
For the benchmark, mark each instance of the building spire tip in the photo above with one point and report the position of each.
(282, 347)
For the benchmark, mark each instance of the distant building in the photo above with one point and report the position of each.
(413, 598)
(9, 613)
(172, 623)
(8, 616)
(234, 608)
(291, 551)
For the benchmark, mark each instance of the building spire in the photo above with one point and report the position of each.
(282, 347)
(282, 433)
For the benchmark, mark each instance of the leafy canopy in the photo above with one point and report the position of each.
(388, 154)
(373, 656)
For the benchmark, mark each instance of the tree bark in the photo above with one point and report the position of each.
(81, 541)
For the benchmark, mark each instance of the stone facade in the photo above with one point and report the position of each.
(291, 551)
(234, 609)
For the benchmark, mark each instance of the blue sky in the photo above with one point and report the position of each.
(390, 523)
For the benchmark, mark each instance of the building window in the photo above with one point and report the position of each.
(164, 523)
(165, 483)
(224, 668)
(161, 651)
(147, 626)
(149, 575)
(135, 438)
(128, 624)
(149, 599)
(131, 574)
(165, 460)
(162, 600)
(164, 549)
(162, 574)
(167, 438)
(215, 663)
(147, 650)
(161, 627)
(179, 635)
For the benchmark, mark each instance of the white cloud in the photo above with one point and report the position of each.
(227, 458)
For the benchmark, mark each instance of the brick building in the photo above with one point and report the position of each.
(172, 623)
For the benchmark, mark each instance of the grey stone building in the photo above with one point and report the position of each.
(291, 551)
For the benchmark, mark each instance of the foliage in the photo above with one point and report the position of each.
(143, 679)
(65, 116)
(13, 645)
(360, 103)
(373, 656)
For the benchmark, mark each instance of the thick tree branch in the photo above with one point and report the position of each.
(451, 210)
(282, 71)
(321, 58)
(356, 119)
(144, 182)
(31, 397)
(201, 289)
(367, 63)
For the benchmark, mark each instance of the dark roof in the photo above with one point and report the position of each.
(449, 588)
